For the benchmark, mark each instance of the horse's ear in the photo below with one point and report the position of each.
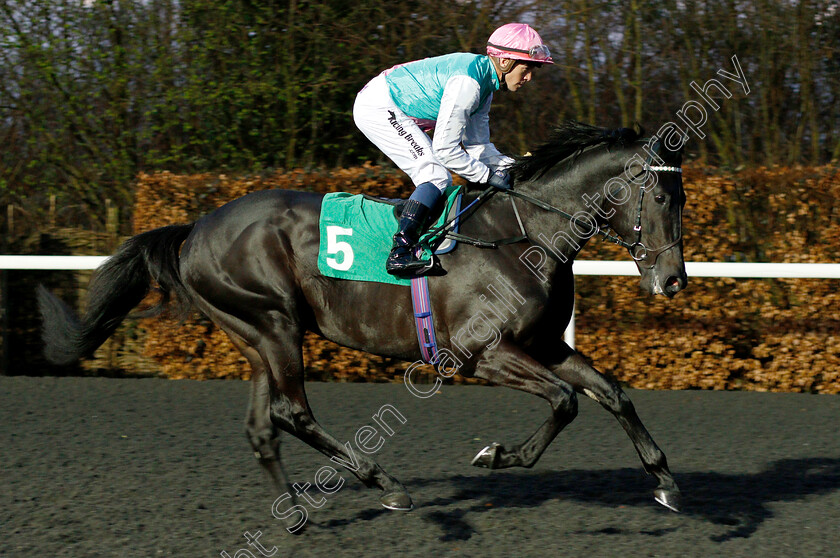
(640, 131)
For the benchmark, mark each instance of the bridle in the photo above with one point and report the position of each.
(640, 253)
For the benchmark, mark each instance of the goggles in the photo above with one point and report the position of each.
(538, 52)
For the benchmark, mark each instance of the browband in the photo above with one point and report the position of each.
(664, 169)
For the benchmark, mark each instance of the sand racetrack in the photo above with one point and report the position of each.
(128, 467)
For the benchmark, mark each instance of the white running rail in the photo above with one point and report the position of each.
(581, 267)
(709, 269)
(51, 262)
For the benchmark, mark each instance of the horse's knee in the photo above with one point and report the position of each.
(289, 416)
(565, 403)
(611, 397)
(624, 405)
(281, 415)
(618, 402)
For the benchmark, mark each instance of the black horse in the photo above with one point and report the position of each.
(250, 266)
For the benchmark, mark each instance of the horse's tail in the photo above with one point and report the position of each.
(117, 286)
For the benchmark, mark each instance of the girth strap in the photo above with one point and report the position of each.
(421, 302)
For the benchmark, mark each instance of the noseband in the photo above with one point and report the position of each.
(638, 251)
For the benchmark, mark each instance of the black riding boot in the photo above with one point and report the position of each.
(402, 261)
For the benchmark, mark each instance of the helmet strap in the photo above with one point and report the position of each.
(503, 67)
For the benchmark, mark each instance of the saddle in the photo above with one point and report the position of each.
(356, 234)
(357, 231)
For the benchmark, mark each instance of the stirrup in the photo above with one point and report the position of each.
(416, 267)
(432, 269)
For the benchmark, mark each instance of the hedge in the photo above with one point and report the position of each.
(764, 335)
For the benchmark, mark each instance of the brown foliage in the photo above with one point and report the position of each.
(765, 335)
(724, 333)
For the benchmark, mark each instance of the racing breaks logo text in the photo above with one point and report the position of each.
(417, 149)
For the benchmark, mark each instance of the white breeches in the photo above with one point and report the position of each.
(397, 135)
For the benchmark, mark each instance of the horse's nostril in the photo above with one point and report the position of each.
(673, 284)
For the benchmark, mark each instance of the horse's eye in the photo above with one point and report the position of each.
(660, 198)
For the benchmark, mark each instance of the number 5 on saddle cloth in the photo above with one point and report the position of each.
(356, 233)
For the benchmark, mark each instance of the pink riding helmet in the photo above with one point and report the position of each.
(518, 41)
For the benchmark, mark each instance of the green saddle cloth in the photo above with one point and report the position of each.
(357, 233)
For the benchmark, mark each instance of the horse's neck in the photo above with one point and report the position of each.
(578, 193)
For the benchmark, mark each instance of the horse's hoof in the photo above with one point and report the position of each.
(399, 501)
(668, 498)
(488, 457)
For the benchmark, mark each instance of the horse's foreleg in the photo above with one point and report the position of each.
(509, 366)
(587, 380)
(290, 411)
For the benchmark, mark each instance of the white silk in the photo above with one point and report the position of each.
(461, 139)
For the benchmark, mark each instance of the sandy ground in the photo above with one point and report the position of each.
(117, 467)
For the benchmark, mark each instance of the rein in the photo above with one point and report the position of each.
(446, 227)
(638, 251)
(571, 218)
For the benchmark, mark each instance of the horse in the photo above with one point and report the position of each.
(250, 267)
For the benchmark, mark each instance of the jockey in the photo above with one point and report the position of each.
(452, 95)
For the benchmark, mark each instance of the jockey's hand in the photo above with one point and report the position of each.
(500, 180)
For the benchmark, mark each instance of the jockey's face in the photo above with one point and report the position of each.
(519, 75)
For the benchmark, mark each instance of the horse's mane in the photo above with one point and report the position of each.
(567, 139)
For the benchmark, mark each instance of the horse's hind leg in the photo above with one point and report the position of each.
(269, 334)
(278, 401)
(609, 394)
(263, 436)
(290, 411)
(509, 366)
